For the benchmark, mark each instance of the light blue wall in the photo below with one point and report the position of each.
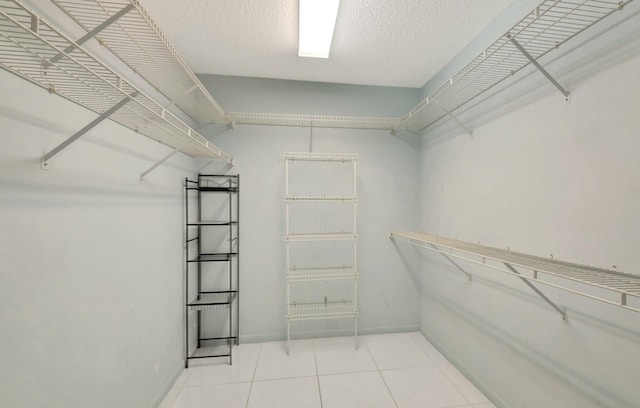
(387, 198)
(387, 175)
(90, 259)
(239, 94)
(545, 178)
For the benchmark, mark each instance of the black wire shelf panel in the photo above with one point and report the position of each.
(212, 300)
(217, 257)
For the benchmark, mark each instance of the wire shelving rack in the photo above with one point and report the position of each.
(321, 239)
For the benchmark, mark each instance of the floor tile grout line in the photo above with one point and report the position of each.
(253, 377)
(285, 378)
(315, 360)
(375, 370)
(380, 373)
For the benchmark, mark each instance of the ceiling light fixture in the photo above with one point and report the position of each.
(317, 21)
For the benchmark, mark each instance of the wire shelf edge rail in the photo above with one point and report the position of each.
(316, 121)
(35, 50)
(620, 284)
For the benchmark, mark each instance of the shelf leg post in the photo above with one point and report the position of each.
(539, 67)
(538, 292)
(186, 273)
(106, 23)
(45, 159)
(355, 336)
(288, 338)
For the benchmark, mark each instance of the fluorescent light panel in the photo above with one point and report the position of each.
(317, 21)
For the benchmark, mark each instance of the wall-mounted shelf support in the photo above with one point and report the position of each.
(461, 269)
(45, 159)
(539, 67)
(455, 119)
(164, 159)
(90, 35)
(538, 291)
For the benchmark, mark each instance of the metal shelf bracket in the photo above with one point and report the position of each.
(455, 119)
(539, 67)
(89, 35)
(453, 262)
(45, 159)
(538, 292)
(164, 159)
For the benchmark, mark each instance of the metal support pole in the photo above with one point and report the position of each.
(106, 23)
(85, 129)
(537, 65)
(238, 260)
(288, 338)
(355, 336)
(542, 295)
(164, 159)
(452, 261)
(186, 272)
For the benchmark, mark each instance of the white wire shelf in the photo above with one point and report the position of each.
(292, 198)
(316, 121)
(321, 274)
(138, 42)
(328, 236)
(543, 30)
(212, 301)
(604, 285)
(323, 310)
(329, 157)
(33, 49)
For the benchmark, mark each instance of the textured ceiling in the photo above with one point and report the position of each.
(376, 42)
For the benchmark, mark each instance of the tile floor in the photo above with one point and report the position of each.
(400, 370)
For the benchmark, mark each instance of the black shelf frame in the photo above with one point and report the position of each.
(212, 299)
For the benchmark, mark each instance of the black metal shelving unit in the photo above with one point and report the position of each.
(213, 239)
